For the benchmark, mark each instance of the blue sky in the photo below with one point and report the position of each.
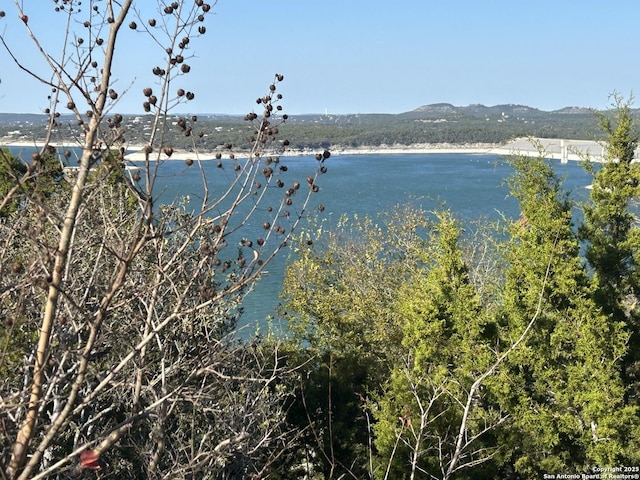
(357, 56)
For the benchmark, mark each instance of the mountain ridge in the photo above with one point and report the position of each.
(8, 118)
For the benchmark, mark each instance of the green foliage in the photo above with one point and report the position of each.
(11, 171)
(19, 180)
(566, 393)
(447, 338)
(340, 293)
(613, 239)
(531, 366)
(342, 286)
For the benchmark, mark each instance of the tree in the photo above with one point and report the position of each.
(339, 294)
(518, 373)
(447, 340)
(118, 312)
(562, 388)
(19, 180)
(612, 235)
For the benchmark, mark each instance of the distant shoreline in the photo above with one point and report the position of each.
(560, 149)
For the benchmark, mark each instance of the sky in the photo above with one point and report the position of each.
(365, 56)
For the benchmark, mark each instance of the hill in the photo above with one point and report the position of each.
(434, 123)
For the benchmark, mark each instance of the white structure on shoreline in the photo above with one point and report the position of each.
(556, 148)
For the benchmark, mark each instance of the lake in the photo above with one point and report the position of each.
(471, 185)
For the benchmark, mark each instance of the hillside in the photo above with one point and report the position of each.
(435, 123)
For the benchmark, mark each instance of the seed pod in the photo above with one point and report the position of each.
(189, 162)
(168, 151)
(133, 25)
(152, 22)
(266, 225)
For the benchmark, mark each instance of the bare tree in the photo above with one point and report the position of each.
(118, 312)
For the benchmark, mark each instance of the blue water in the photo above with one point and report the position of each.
(472, 186)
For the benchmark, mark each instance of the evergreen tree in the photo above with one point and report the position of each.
(447, 337)
(612, 234)
(563, 387)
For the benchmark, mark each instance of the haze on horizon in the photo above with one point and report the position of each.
(373, 56)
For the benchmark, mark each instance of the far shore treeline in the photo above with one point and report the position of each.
(438, 123)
